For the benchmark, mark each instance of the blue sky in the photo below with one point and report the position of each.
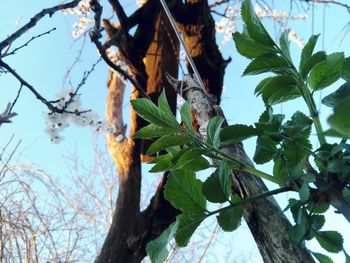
(45, 62)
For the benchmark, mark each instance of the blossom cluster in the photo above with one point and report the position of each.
(227, 24)
(83, 12)
(74, 114)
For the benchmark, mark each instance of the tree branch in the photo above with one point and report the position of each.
(34, 20)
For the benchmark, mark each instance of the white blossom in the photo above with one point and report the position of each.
(83, 13)
(57, 122)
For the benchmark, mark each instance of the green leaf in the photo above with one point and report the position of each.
(296, 233)
(162, 163)
(296, 149)
(326, 72)
(280, 169)
(185, 113)
(278, 89)
(285, 43)
(322, 258)
(337, 165)
(317, 221)
(345, 73)
(331, 241)
(150, 112)
(168, 141)
(186, 227)
(164, 107)
(249, 48)
(265, 149)
(340, 94)
(157, 248)
(184, 191)
(225, 178)
(340, 120)
(153, 131)
(304, 192)
(213, 131)
(316, 58)
(230, 218)
(192, 160)
(266, 63)
(236, 133)
(212, 189)
(254, 27)
(307, 51)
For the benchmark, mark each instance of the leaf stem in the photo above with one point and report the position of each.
(252, 198)
(239, 165)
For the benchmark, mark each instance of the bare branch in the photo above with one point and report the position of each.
(27, 43)
(34, 20)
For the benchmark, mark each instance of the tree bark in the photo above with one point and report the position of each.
(132, 229)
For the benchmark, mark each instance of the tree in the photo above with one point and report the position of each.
(150, 52)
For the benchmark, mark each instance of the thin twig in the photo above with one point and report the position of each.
(27, 43)
(34, 20)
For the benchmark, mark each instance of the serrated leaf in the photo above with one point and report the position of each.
(345, 73)
(266, 63)
(296, 149)
(213, 131)
(250, 48)
(254, 27)
(307, 51)
(186, 227)
(278, 89)
(225, 178)
(157, 248)
(315, 59)
(326, 72)
(265, 149)
(337, 165)
(212, 189)
(284, 44)
(150, 112)
(162, 163)
(164, 107)
(304, 192)
(298, 126)
(296, 233)
(280, 168)
(340, 120)
(340, 94)
(317, 221)
(192, 160)
(331, 241)
(322, 258)
(230, 219)
(184, 191)
(153, 131)
(168, 141)
(236, 133)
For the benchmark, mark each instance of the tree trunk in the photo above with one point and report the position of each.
(132, 229)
